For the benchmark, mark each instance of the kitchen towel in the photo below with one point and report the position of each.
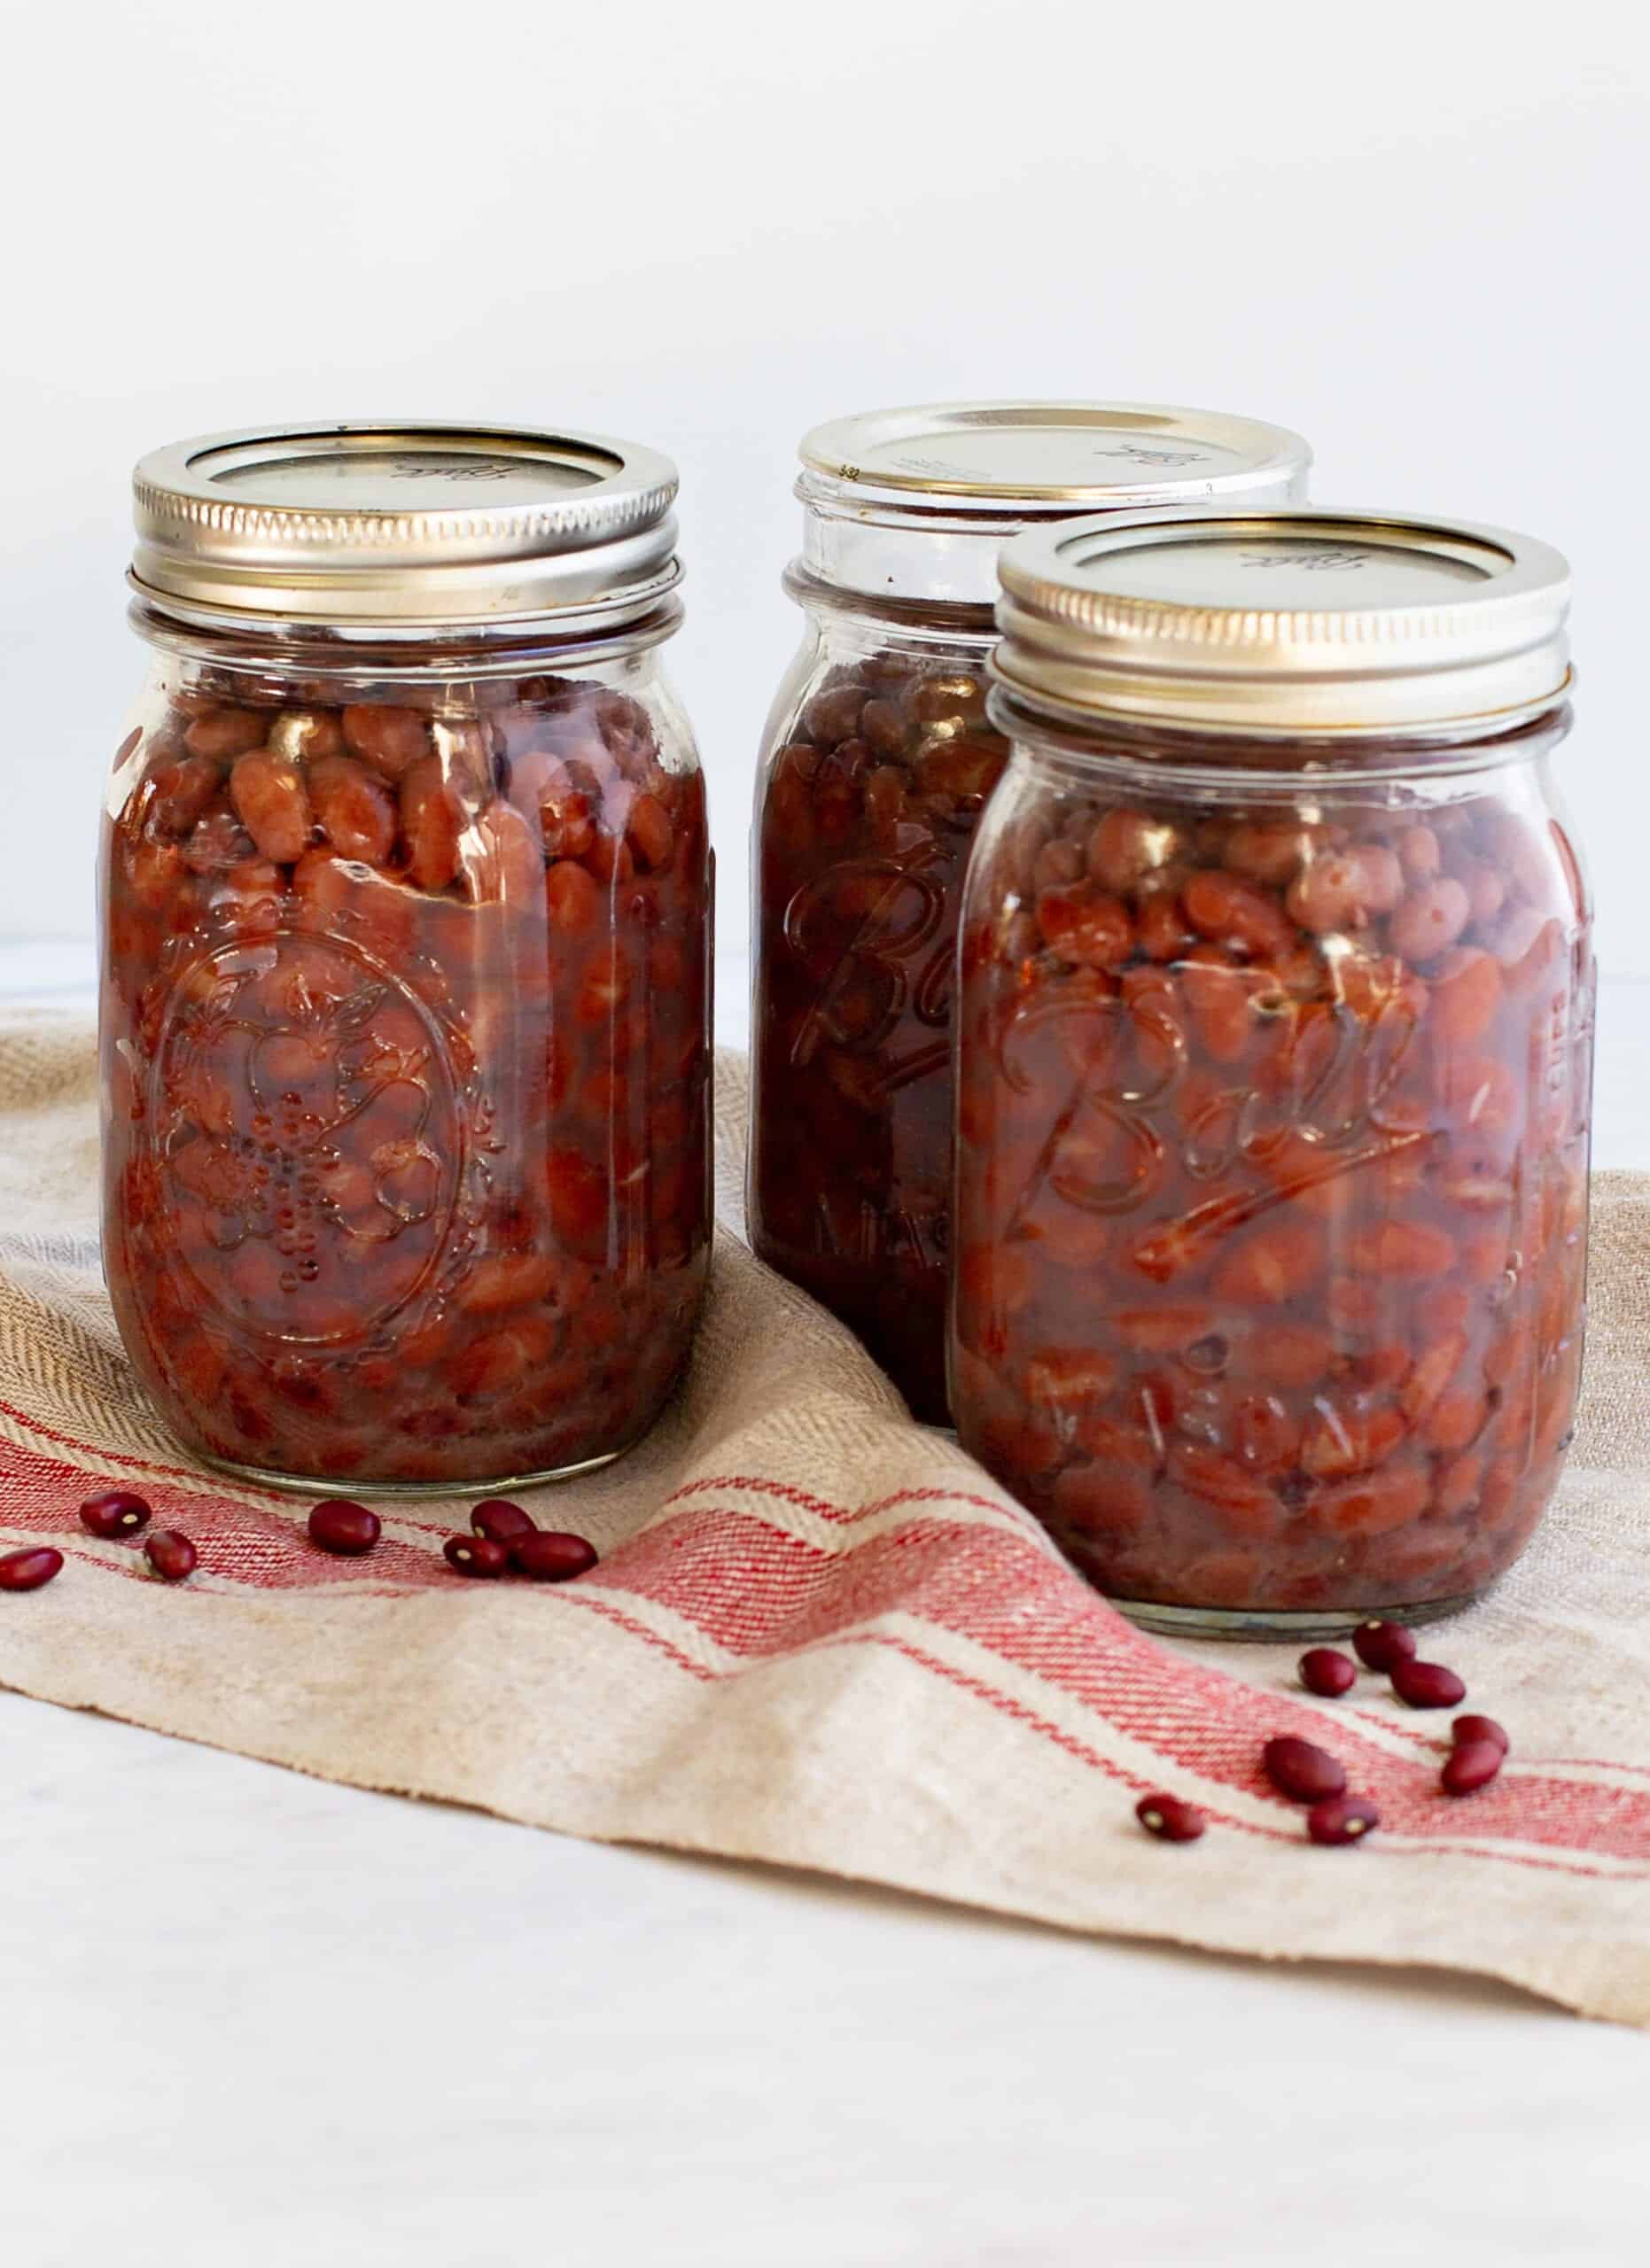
(819, 1635)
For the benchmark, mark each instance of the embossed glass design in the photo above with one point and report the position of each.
(1274, 1066)
(882, 765)
(405, 1016)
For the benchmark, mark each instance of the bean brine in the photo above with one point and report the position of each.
(406, 983)
(877, 762)
(1276, 1064)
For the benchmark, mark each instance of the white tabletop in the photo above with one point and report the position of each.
(248, 2019)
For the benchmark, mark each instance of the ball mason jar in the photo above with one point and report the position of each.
(406, 901)
(1276, 1064)
(877, 762)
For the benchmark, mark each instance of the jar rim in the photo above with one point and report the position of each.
(1198, 755)
(399, 654)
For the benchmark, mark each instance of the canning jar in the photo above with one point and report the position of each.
(405, 987)
(877, 762)
(1276, 1064)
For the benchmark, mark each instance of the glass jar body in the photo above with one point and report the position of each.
(1273, 1141)
(877, 764)
(406, 1056)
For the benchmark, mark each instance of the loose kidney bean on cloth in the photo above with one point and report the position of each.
(819, 1636)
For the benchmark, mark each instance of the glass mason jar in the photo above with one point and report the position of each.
(877, 762)
(405, 989)
(1275, 1065)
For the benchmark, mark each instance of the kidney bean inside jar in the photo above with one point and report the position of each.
(406, 1041)
(1272, 1180)
(871, 801)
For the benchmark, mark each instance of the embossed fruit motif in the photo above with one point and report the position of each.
(406, 1053)
(1273, 1179)
(869, 809)
(305, 1121)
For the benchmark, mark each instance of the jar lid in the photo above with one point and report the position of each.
(404, 526)
(900, 499)
(1307, 621)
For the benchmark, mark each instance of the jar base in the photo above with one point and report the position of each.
(1265, 1626)
(289, 1484)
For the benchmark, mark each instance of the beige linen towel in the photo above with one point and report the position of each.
(819, 1635)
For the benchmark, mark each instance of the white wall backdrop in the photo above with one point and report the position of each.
(1418, 233)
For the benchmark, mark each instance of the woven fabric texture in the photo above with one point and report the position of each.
(819, 1635)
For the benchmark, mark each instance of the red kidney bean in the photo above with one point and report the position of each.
(649, 833)
(1328, 1672)
(1471, 1765)
(501, 1521)
(1086, 927)
(1465, 996)
(172, 1556)
(568, 825)
(551, 1556)
(572, 898)
(181, 792)
(1427, 1685)
(28, 1569)
(1431, 918)
(272, 801)
(1300, 1770)
(217, 842)
(834, 715)
(505, 861)
(1236, 914)
(1168, 1819)
(1273, 854)
(1421, 856)
(1128, 848)
(390, 739)
(431, 820)
(1341, 1819)
(611, 858)
(116, 1512)
(475, 1555)
(353, 809)
(1346, 889)
(346, 1528)
(1275, 1264)
(1383, 1645)
(1479, 1729)
(224, 733)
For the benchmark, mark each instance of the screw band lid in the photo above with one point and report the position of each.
(912, 504)
(403, 526)
(1306, 621)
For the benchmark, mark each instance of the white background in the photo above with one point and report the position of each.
(1416, 233)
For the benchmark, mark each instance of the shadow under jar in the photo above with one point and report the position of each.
(878, 760)
(405, 989)
(1275, 1062)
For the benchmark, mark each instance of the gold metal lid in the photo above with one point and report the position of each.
(1302, 622)
(402, 527)
(912, 503)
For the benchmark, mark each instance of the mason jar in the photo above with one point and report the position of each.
(406, 900)
(875, 764)
(1276, 1064)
